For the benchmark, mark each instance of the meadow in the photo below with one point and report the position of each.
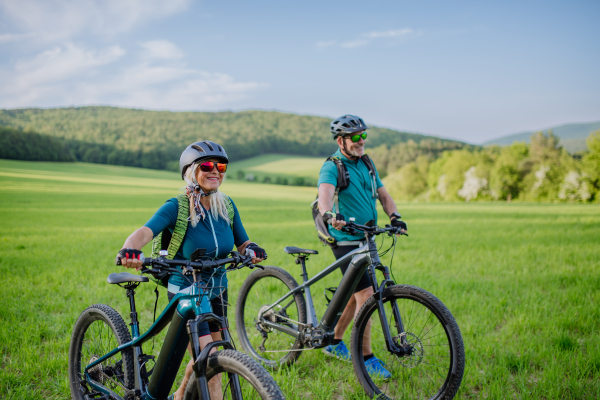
(521, 279)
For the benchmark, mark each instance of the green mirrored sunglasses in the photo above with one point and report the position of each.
(356, 138)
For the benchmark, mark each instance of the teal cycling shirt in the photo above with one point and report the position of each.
(200, 237)
(357, 199)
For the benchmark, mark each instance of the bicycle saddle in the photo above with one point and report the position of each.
(125, 277)
(298, 250)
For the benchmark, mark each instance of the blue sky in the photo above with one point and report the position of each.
(469, 70)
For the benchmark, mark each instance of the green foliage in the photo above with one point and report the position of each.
(539, 171)
(390, 158)
(524, 297)
(243, 134)
(31, 146)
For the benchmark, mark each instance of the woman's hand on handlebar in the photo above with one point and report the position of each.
(130, 258)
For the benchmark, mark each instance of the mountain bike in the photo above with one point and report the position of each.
(411, 330)
(106, 361)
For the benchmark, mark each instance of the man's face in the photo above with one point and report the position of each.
(353, 149)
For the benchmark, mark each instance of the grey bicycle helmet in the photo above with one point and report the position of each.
(201, 151)
(347, 124)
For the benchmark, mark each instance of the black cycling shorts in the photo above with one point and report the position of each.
(339, 252)
(219, 305)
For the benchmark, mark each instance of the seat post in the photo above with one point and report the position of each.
(135, 329)
(302, 261)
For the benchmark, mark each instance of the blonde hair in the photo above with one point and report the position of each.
(218, 206)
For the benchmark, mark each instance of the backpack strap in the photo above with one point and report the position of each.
(230, 210)
(367, 160)
(181, 225)
(343, 179)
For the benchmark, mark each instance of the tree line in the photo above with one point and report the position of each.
(147, 133)
(539, 171)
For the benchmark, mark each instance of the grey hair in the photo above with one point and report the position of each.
(218, 206)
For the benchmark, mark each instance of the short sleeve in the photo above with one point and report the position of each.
(379, 183)
(328, 173)
(164, 217)
(239, 233)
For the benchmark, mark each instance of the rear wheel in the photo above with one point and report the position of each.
(98, 330)
(432, 360)
(260, 290)
(255, 381)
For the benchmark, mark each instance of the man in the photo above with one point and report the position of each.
(358, 201)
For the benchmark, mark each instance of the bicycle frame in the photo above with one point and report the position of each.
(185, 312)
(363, 258)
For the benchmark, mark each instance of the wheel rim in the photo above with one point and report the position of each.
(424, 371)
(98, 340)
(274, 350)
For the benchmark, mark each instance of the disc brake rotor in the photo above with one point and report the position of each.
(413, 347)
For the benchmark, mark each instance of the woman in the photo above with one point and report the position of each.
(202, 166)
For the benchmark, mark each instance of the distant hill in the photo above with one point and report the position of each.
(118, 135)
(572, 136)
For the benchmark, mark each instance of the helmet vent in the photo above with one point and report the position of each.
(209, 146)
(220, 148)
(345, 125)
(200, 149)
(336, 122)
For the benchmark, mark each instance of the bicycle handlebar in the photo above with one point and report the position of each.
(375, 230)
(161, 264)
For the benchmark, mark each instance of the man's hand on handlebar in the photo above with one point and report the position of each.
(400, 225)
(336, 220)
(130, 258)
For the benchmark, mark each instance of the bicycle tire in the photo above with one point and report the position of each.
(98, 330)
(255, 381)
(436, 366)
(260, 289)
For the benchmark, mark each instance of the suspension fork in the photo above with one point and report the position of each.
(201, 357)
(387, 281)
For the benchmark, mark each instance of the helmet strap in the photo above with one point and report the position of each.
(345, 151)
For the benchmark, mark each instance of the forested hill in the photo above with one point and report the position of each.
(117, 133)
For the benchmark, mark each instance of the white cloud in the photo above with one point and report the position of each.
(14, 37)
(367, 38)
(161, 49)
(322, 44)
(54, 20)
(354, 43)
(72, 75)
(388, 34)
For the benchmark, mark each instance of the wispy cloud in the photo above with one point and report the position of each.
(156, 79)
(329, 43)
(14, 37)
(161, 49)
(388, 34)
(366, 38)
(59, 20)
(354, 43)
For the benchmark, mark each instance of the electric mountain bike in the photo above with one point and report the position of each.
(408, 328)
(107, 362)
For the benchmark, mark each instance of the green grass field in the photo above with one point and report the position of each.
(278, 165)
(522, 280)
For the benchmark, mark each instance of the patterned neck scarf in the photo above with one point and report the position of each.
(195, 193)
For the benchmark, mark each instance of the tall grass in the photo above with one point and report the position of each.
(522, 280)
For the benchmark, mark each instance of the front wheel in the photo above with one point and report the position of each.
(431, 360)
(255, 381)
(260, 290)
(98, 330)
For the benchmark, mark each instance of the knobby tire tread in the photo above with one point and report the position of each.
(453, 329)
(115, 322)
(241, 364)
(290, 282)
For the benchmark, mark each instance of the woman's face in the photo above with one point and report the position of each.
(209, 181)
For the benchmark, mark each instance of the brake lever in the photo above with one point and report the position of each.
(252, 266)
